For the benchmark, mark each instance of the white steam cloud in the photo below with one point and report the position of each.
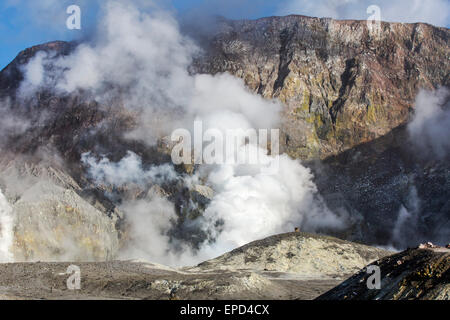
(127, 170)
(254, 205)
(408, 221)
(430, 128)
(146, 54)
(140, 61)
(436, 12)
(150, 223)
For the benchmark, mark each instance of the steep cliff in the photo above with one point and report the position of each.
(346, 95)
(303, 266)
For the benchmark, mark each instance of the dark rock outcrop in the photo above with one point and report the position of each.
(415, 274)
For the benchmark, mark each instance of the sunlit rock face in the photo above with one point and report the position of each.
(341, 85)
(57, 225)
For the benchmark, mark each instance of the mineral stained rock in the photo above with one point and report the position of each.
(342, 86)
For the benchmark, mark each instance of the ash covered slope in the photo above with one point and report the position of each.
(342, 86)
(308, 255)
(422, 274)
(304, 267)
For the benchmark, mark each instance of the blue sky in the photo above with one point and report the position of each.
(24, 23)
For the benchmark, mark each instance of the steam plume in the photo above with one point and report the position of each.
(6, 230)
(140, 61)
(430, 128)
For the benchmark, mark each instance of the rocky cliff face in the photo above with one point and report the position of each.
(415, 274)
(344, 92)
(341, 85)
(303, 272)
